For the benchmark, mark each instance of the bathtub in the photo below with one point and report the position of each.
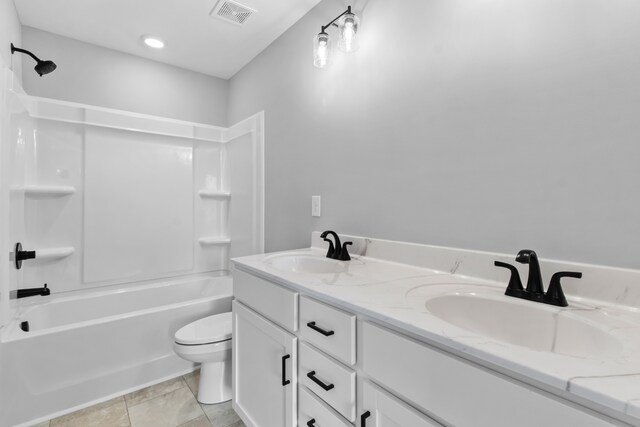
(85, 347)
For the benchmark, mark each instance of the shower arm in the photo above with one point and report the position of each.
(17, 49)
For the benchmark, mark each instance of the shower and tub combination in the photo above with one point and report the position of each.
(131, 220)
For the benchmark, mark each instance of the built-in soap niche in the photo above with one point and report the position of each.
(112, 197)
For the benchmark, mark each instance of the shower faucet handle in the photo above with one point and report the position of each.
(19, 255)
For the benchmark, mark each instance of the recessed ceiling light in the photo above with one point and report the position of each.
(153, 41)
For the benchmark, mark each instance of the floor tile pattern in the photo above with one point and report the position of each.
(169, 404)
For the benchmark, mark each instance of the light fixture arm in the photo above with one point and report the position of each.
(324, 27)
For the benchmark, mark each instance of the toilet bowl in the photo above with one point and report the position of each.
(208, 341)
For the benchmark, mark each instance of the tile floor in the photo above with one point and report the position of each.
(168, 404)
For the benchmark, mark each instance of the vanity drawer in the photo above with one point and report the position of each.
(312, 408)
(272, 301)
(329, 329)
(328, 379)
(460, 393)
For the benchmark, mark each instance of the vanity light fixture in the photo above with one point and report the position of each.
(347, 23)
(153, 41)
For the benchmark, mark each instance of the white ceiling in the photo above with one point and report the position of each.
(195, 40)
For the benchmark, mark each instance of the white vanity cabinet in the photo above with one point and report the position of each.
(264, 373)
(381, 409)
(459, 392)
(351, 370)
(265, 352)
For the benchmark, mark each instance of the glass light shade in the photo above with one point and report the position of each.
(348, 27)
(322, 52)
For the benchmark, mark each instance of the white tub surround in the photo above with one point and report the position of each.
(108, 197)
(586, 355)
(133, 219)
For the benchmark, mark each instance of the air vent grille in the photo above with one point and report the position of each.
(231, 11)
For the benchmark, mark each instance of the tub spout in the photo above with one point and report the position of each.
(22, 293)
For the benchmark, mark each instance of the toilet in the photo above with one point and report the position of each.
(208, 341)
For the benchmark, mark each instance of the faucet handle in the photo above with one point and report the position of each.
(514, 288)
(555, 295)
(344, 253)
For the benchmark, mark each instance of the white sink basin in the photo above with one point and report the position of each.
(527, 324)
(306, 264)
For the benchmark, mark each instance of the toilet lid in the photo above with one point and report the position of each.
(211, 329)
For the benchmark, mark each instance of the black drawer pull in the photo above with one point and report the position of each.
(363, 419)
(312, 377)
(311, 422)
(313, 326)
(285, 381)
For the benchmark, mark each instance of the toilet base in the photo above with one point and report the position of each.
(215, 382)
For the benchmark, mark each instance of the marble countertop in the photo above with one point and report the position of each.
(396, 294)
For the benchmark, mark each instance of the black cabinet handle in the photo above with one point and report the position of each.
(313, 326)
(363, 419)
(311, 422)
(312, 377)
(285, 381)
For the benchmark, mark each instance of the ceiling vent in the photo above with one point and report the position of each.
(231, 11)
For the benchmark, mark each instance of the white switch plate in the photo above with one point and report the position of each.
(315, 205)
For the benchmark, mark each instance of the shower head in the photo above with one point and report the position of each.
(45, 67)
(42, 67)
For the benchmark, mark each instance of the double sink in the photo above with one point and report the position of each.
(482, 310)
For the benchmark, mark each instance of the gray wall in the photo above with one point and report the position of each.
(493, 125)
(10, 33)
(95, 75)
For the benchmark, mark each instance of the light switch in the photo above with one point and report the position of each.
(315, 205)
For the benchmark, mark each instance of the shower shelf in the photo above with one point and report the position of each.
(211, 194)
(214, 240)
(48, 190)
(54, 253)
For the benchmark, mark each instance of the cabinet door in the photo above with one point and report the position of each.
(381, 409)
(264, 370)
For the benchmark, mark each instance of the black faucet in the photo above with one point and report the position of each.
(336, 249)
(30, 292)
(535, 289)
